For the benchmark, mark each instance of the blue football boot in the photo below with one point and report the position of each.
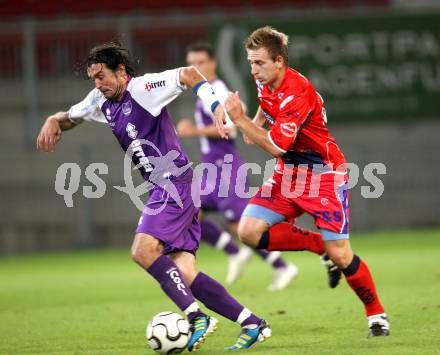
(200, 327)
(251, 336)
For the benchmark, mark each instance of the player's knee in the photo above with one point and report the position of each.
(340, 259)
(250, 230)
(340, 255)
(247, 235)
(137, 255)
(145, 251)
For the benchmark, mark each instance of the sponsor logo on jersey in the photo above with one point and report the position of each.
(268, 117)
(289, 129)
(150, 85)
(131, 130)
(108, 114)
(126, 107)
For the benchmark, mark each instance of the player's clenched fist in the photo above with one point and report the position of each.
(50, 134)
(233, 106)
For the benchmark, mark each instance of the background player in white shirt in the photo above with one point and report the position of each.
(215, 150)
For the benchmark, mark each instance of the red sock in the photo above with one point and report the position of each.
(359, 278)
(285, 236)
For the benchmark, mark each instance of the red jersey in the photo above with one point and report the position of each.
(296, 116)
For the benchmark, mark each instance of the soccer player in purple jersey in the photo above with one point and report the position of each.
(165, 243)
(218, 151)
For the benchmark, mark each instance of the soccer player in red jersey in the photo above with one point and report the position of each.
(310, 174)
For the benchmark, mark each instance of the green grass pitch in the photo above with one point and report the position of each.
(99, 302)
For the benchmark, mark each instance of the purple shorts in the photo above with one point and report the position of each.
(177, 227)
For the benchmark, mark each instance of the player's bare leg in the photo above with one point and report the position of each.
(147, 252)
(215, 297)
(359, 278)
(250, 229)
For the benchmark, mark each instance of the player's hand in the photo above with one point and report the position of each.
(247, 140)
(220, 121)
(234, 107)
(50, 135)
(185, 128)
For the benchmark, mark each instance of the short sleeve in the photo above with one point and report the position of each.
(88, 109)
(154, 91)
(293, 114)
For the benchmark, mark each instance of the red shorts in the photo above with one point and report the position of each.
(324, 196)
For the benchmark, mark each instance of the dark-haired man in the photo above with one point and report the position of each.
(166, 241)
(218, 152)
(310, 164)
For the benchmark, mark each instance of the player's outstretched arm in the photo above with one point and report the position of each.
(186, 128)
(190, 76)
(50, 133)
(249, 128)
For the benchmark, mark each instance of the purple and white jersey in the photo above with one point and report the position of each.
(140, 115)
(214, 150)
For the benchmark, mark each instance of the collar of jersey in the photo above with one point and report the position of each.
(286, 76)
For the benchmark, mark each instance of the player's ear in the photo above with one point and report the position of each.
(279, 62)
(120, 69)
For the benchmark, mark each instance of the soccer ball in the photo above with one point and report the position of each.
(168, 333)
